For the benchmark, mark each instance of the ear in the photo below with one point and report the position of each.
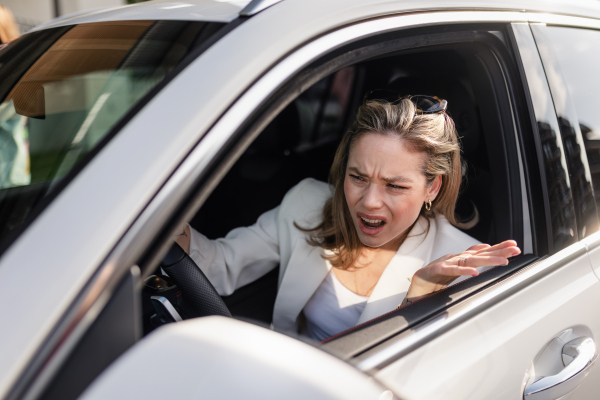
(434, 188)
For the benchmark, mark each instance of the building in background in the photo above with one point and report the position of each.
(29, 13)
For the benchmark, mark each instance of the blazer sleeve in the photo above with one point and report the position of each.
(239, 258)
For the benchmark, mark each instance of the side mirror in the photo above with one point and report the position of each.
(222, 358)
(29, 99)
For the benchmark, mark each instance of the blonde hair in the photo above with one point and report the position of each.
(8, 27)
(433, 134)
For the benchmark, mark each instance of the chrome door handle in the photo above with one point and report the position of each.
(578, 356)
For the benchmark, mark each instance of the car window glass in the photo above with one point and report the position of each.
(323, 107)
(561, 209)
(64, 89)
(578, 52)
(579, 172)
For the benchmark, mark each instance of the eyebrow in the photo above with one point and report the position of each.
(391, 179)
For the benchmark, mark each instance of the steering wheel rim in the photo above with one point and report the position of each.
(200, 298)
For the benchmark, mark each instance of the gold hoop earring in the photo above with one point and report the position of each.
(428, 206)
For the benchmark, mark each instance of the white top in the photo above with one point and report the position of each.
(332, 309)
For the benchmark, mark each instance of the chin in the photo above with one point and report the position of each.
(375, 241)
(371, 241)
(372, 245)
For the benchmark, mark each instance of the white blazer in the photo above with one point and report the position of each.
(248, 253)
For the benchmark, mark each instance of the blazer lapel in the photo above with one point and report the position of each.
(395, 280)
(304, 273)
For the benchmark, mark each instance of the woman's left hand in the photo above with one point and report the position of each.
(441, 272)
(182, 237)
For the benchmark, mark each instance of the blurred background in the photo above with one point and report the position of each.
(29, 13)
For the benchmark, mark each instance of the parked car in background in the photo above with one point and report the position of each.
(119, 125)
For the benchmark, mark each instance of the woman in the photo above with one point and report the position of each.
(359, 247)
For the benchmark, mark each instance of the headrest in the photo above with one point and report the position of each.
(461, 106)
(281, 135)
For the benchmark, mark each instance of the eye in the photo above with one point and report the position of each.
(357, 178)
(396, 187)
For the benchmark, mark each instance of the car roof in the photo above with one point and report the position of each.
(228, 10)
(192, 10)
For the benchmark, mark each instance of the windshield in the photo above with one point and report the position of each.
(63, 90)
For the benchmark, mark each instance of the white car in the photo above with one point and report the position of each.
(118, 125)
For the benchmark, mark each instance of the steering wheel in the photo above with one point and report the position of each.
(200, 298)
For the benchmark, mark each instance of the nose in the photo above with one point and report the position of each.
(373, 198)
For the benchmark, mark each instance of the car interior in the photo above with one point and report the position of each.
(300, 142)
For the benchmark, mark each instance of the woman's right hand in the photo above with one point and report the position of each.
(182, 238)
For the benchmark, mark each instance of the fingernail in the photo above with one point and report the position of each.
(516, 253)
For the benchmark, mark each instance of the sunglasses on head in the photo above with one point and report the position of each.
(425, 104)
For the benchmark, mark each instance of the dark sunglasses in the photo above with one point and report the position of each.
(425, 104)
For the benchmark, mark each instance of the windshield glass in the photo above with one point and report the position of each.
(63, 90)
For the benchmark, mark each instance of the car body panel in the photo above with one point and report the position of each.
(592, 242)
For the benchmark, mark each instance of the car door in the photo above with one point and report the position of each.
(497, 344)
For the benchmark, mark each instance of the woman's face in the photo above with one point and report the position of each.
(385, 188)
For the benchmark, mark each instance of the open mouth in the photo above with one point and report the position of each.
(372, 223)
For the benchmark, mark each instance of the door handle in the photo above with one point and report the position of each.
(578, 356)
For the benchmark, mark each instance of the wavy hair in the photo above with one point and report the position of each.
(8, 27)
(432, 134)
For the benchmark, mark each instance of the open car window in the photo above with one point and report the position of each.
(63, 91)
(300, 140)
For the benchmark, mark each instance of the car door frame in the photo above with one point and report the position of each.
(248, 121)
